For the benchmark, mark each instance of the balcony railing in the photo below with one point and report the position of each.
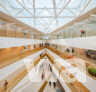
(74, 34)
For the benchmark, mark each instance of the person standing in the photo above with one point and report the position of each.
(73, 51)
(49, 67)
(82, 33)
(5, 85)
(21, 53)
(40, 55)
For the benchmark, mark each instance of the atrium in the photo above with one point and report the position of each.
(47, 45)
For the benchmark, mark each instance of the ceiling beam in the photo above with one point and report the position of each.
(10, 19)
(59, 3)
(30, 13)
(72, 12)
(5, 9)
(48, 8)
(46, 17)
(24, 8)
(54, 5)
(85, 7)
(33, 5)
(59, 12)
(78, 19)
(63, 7)
(18, 12)
(34, 12)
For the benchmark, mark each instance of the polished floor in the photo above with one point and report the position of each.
(32, 86)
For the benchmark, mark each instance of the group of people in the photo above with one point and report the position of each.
(54, 84)
(68, 50)
(43, 76)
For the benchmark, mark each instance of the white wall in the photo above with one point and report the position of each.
(6, 42)
(84, 42)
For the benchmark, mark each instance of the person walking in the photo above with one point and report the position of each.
(54, 84)
(49, 67)
(43, 74)
(49, 83)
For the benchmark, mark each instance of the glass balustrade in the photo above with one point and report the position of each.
(74, 34)
(10, 30)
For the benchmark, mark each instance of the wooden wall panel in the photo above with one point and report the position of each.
(2, 33)
(16, 34)
(29, 35)
(35, 37)
(76, 51)
(9, 52)
(11, 33)
(81, 51)
(19, 34)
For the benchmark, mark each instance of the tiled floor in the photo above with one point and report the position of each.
(52, 89)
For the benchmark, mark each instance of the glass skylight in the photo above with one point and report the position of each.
(46, 15)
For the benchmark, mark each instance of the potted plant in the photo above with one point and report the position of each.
(92, 71)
